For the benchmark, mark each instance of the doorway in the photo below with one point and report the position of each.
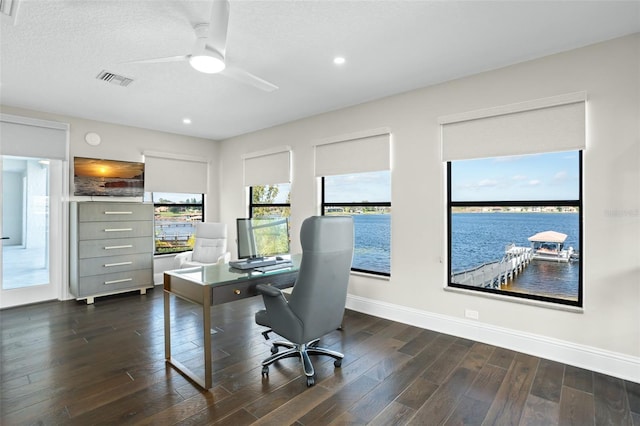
(31, 249)
(31, 225)
(34, 181)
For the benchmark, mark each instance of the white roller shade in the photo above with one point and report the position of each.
(267, 167)
(25, 137)
(365, 154)
(165, 172)
(544, 125)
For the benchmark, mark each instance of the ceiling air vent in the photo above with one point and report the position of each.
(116, 79)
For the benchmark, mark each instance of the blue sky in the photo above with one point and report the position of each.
(283, 193)
(550, 176)
(371, 186)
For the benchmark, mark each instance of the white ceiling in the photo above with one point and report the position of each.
(52, 51)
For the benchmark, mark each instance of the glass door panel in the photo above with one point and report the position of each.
(26, 225)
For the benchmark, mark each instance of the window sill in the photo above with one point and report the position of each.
(159, 256)
(374, 276)
(505, 298)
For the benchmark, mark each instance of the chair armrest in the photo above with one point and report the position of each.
(281, 318)
(267, 290)
(224, 258)
(181, 259)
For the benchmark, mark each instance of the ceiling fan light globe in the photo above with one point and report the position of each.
(207, 64)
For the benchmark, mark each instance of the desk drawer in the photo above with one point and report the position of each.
(114, 247)
(105, 230)
(242, 289)
(111, 283)
(114, 212)
(111, 264)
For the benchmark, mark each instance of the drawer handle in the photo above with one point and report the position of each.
(236, 291)
(124, 280)
(106, 265)
(118, 229)
(118, 212)
(118, 247)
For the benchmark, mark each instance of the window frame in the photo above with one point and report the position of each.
(533, 203)
(324, 205)
(156, 253)
(253, 205)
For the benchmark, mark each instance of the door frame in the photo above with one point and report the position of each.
(58, 224)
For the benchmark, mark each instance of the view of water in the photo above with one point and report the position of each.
(174, 229)
(550, 279)
(481, 238)
(372, 250)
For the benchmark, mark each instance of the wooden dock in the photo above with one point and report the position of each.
(494, 274)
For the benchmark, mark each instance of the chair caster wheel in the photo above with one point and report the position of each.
(274, 349)
(337, 363)
(265, 371)
(311, 381)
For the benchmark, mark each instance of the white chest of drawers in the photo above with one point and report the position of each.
(111, 248)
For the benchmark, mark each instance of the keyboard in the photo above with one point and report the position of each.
(243, 264)
(280, 265)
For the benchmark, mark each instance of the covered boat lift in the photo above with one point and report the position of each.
(549, 245)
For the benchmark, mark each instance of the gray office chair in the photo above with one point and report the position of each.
(316, 304)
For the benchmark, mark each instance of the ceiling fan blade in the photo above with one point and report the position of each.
(159, 60)
(218, 25)
(250, 79)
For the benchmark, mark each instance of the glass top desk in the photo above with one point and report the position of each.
(211, 285)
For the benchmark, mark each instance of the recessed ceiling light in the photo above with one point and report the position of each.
(338, 60)
(186, 120)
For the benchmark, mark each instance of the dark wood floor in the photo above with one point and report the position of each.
(70, 363)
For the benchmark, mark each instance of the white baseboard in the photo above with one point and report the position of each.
(611, 363)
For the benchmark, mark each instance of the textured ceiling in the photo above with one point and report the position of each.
(52, 50)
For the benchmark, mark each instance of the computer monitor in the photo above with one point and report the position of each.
(262, 237)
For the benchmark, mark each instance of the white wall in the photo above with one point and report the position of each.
(609, 326)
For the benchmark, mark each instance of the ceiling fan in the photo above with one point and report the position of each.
(208, 52)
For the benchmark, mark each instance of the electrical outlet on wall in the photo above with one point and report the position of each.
(469, 313)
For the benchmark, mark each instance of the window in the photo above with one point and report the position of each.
(270, 200)
(514, 191)
(175, 216)
(367, 198)
(515, 226)
(360, 186)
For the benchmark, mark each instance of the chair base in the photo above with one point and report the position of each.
(302, 351)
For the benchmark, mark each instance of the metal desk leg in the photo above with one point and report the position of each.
(207, 383)
(167, 326)
(206, 329)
